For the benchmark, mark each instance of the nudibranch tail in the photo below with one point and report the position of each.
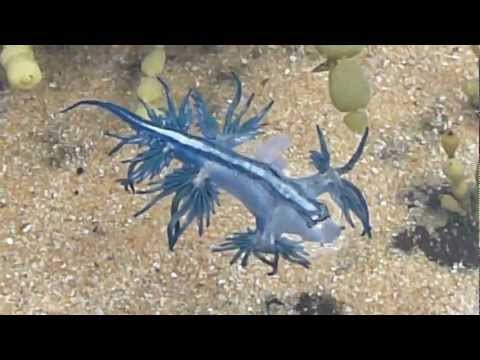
(124, 114)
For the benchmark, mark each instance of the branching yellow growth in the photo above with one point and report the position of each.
(22, 70)
(449, 203)
(357, 121)
(154, 62)
(472, 89)
(454, 171)
(348, 86)
(141, 111)
(335, 52)
(150, 91)
(450, 142)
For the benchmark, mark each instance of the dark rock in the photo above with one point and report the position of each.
(456, 242)
(317, 305)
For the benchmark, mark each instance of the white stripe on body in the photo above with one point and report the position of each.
(280, 186)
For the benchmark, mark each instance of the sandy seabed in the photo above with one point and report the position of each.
(70, 245)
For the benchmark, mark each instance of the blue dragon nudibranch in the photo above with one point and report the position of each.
(281, 204)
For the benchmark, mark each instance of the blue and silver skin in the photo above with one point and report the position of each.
(281, 205)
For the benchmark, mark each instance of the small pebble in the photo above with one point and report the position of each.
(27, 228)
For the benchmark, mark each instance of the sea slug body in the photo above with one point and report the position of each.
(281, 205)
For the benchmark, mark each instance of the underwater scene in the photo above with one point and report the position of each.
(239, 180)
